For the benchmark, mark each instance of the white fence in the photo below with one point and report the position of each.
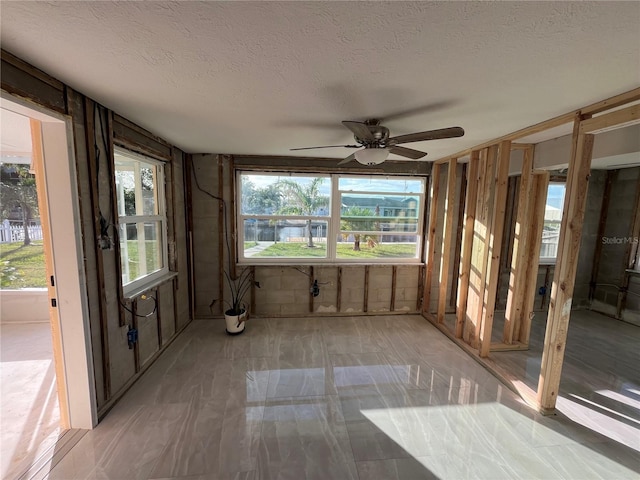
(14, 231)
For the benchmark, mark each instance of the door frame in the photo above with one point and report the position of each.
(64, 251)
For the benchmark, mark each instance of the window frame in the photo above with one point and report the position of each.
(142, 283)
(332, 220)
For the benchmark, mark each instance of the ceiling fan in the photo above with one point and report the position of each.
(375, 144)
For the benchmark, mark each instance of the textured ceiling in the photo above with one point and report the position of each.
(263, 77)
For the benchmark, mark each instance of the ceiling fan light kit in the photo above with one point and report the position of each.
(372, 156)
(378, 145)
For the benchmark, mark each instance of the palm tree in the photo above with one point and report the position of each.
(303, 200)
(354, 221)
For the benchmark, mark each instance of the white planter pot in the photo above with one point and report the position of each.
(235, 323)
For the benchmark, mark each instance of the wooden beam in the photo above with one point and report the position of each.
(611, 102)
(394, 277)
(365, 301)
(566, 265)
(253, 289)
(467, 242)
(453, 296)
(495, 246)
(447, 238)
(608, 104)
(483, 224)
(524, 132)
(311, 297)
(522, 146)
(616, 119)
(513, 311)
(538, 200)
(420, 297)
(110, 161)
(474, 299)
(89, 109)
(339, 291)
(222, 228)
(431, 235)
(504, 347)
(136, 345)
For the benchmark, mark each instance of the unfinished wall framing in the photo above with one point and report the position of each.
(95, 130)
(345, 289)
(485, 213)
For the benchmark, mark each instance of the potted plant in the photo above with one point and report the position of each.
(236, 314)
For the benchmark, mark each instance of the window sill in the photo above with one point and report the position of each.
(146, 287)
(302, 263)
(632, 272)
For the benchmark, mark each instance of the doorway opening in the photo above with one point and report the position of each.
(47, 376)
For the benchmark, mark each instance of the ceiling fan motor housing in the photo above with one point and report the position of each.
(379, 135)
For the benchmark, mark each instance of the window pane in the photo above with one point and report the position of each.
(140, 249)
(284, 195)
(285, 238)
(552, 219)
(135, 186)
(373, 184)
(147, 180)
(379, 213)
(354, 246)
(125, 184)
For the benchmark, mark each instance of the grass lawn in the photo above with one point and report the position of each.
(345, 250)
(22, 267)
(250, 244)
(382, 250)
(293, 250)
(151, 259)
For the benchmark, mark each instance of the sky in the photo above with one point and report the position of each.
(366, 184)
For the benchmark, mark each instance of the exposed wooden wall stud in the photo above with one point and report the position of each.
(565, 272)
(431, 235)
(447, 238)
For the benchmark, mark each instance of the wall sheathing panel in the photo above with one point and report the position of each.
(406, 288)
(182, 297)
(352, 289)
(147, 324)
(84, 172)
(616, 234)
(166, 309)
(206, 216)
(326, 301)
(380, 288)
(591, 240)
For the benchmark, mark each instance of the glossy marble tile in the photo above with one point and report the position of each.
(305, 438)
(29, 410)
(394, 400)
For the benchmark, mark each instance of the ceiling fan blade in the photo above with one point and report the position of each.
(348, 159)
(450, 132)
(360, 130)
(407, 152)
(326, 146)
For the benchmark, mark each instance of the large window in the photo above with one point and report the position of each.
(328, 218)
(142, 218)
(552, 220)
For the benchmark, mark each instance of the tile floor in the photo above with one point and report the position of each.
(29, 412)
(600, 384)
(333, 398)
